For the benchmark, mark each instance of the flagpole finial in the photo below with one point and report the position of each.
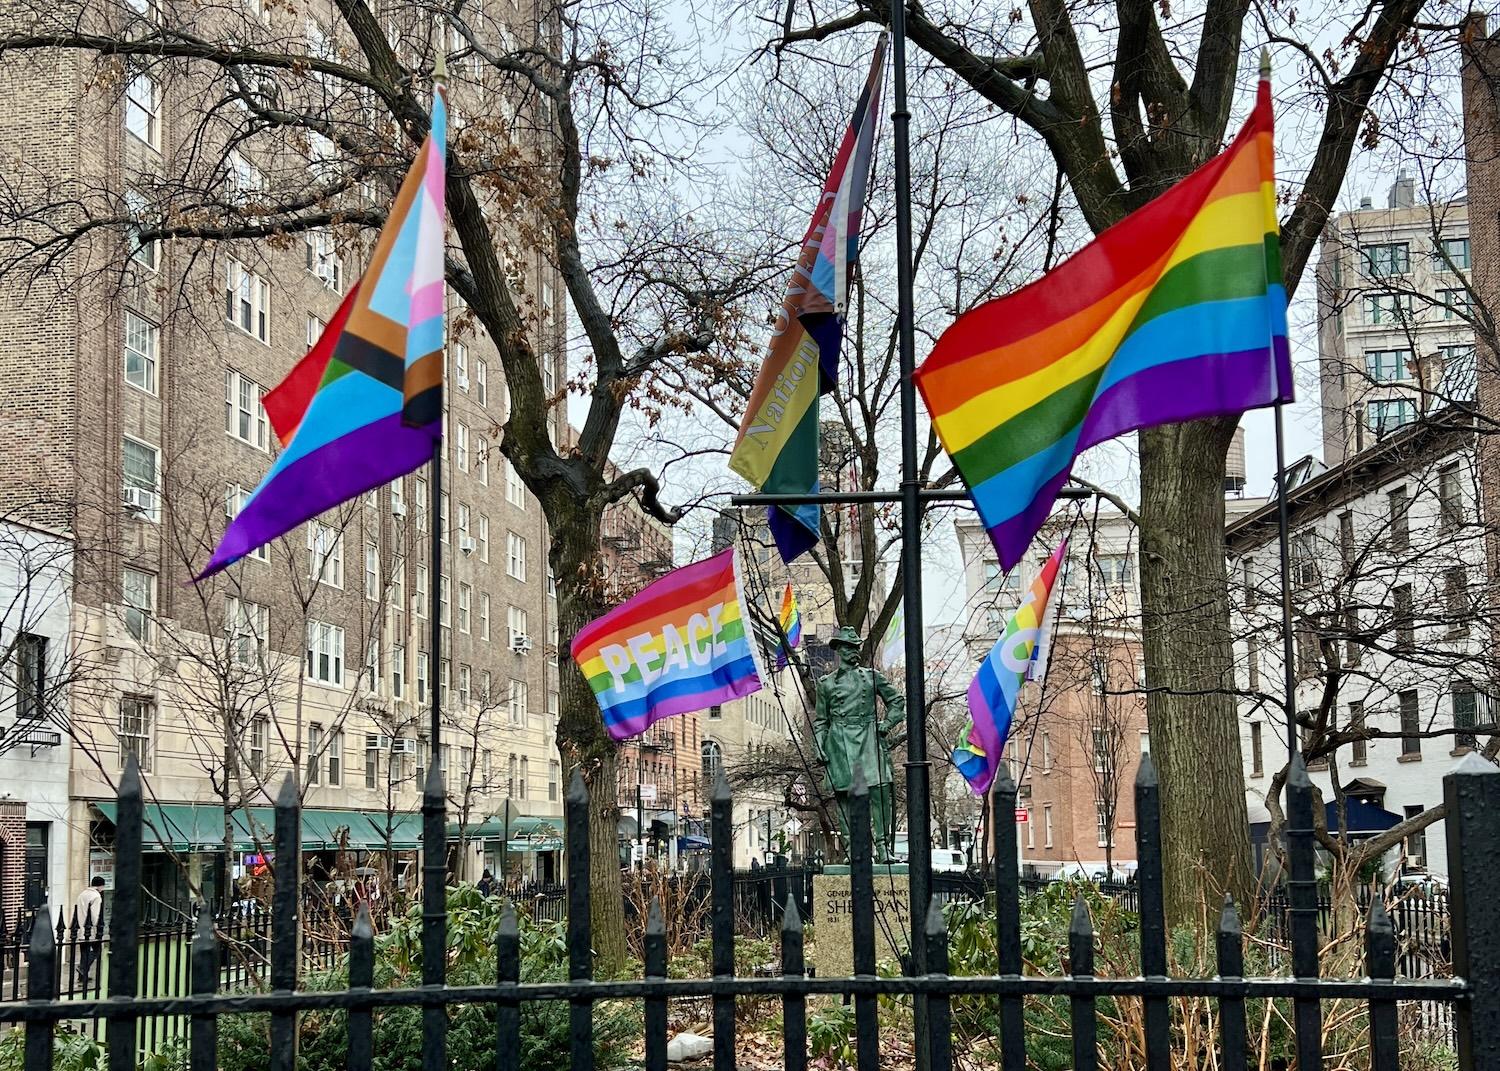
(1265, 62)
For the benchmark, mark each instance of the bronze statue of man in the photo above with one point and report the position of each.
(848, 731)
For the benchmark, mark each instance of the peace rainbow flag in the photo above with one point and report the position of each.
(1176, 313)
(682, 643)
(997, 685)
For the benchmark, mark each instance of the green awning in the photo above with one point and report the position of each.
(182, 827)
(522, 827)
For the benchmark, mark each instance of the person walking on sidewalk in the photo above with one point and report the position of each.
(88, 914)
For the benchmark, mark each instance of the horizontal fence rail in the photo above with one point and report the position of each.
(147, 979)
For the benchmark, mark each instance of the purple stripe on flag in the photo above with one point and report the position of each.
(350, 465)
(1210, 385)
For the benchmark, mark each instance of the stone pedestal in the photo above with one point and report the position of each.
(833, 918)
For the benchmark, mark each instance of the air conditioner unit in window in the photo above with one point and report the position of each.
(139, 501)
(463, 381)
(466, 544)
(520, 642)
(398, 508)
(383, 743)
(404, 746)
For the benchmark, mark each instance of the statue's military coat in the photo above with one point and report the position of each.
(845, 726)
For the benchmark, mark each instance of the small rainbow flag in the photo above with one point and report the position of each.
(376, 412)
(993, 692)
(680, 644)
(791, 627)
(1175, 313)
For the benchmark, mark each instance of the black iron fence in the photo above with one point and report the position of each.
(1472, 794)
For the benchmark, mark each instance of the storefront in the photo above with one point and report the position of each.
(525, 847)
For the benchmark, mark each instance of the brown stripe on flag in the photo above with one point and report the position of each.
(423, 391)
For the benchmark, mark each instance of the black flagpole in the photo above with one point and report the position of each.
(1287, 648)
(918, 772)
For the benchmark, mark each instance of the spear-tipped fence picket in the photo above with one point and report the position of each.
(1472, 794)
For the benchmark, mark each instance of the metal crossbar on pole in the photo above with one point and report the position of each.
(924, 494)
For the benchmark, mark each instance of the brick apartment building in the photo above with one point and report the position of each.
(130, 419)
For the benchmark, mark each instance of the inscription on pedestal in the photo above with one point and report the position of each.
(833, 919)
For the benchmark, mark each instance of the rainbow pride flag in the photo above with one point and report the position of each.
(682, 643)
(791, 627)
(995, 688)
(376, 412)
(777, 446)
(1175, 313)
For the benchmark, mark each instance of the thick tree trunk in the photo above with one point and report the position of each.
(581, 740)
(1190, 705)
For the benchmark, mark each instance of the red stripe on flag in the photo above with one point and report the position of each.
(286, 403)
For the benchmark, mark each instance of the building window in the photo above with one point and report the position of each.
(516, 708)
(1046, 825)
(1457, 303)
(713, 761)
(141, 342)
(1103, 758)
(314, 754)
(322, 259)
(484, 538)
(244, 416)
(1387, 366)
(1416, 843)
(1046, 752)
(419, 598)
(244, 179)
(465, 602)
(465, 685)
(137, 720)
(1252, 662)
(1101, 821)
(516, 625)
(1114, 569)
(463, 524)
(1309, 653)
(246, 625)
(336, 757)
(1465, 714)
(525, 777)
(31, 676)
(1453, 255)
(445, 606)
(1359, 748)
(325, 653)
(398, 671)
(461, 445)
(139, 591)
(482, 460)
(325, 555)
(247, 301)
(1250, 591)
(372, 760)
(144, 251)
(1450, 497)
(481, 382)
(461, 365)
(1411, 743)
(372, 572)
(423, 662)
(1405, 627)
(484, 616)
(1257, 754)
(715, 712)
(1386, 258)
(1456, 599)
(1387, 416)
(1387, 308)
(1353, 647)
(143, 109)
(554, 776)
(1304, 561)
(372, 666)
(259, 733)
(516, 556)
(142, 480)
(515, 490)
(1398, 518)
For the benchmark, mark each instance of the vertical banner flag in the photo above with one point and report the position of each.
(791, 627)
(893, 643)
(375, 412)
(777, 446)
(1175, 313)
(993, 692)
(682, 643)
